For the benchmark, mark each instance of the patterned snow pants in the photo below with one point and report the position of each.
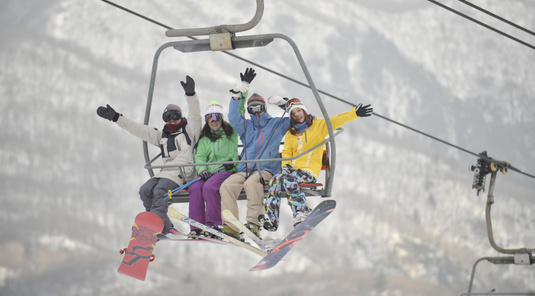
(296, 198)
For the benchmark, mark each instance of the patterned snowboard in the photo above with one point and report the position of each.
(274, 256)
(137, 256)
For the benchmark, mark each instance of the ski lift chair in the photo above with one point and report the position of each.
(223, 38)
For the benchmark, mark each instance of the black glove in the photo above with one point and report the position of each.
(205, 174)
(363, 111)
(248, 76)
(108, 113)
(229, 167)
(189, 86)
(287, 169)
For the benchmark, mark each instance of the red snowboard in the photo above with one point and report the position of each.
(139, 252)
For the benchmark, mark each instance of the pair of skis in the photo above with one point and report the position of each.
(182, 237)
(177, 215)
(276, 253)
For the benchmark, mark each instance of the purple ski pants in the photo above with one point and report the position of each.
(205, 201)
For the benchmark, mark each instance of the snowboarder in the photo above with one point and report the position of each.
(306, 131)
(218, 143)
(176, 141)
(261, 136)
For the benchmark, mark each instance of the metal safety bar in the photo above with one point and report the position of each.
(149, 166)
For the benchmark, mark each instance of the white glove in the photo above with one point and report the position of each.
(276, 100)
(240, 87)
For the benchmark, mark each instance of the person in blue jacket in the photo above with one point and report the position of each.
(261, 136)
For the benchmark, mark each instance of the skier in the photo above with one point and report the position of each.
(176, 141)
(306, 131)
(218, 143)
(260, 136)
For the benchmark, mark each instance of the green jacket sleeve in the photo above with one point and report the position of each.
(203, 151)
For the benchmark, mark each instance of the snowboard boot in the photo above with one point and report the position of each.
(267, 223)
(300, 217)
(270, 243)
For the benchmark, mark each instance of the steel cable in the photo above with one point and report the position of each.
(340, 99)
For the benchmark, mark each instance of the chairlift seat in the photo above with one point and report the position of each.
(310, 189)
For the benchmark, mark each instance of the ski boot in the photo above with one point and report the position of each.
(231, 232)
(195, 233)
(254, 228)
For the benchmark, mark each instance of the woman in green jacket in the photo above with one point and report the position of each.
(218, 143)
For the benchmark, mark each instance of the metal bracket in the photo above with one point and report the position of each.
(220, 41)
(523, 257)
(236, 42)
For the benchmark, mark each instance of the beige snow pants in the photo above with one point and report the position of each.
(230, 191)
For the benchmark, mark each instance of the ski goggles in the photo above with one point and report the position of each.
(171, 115)
(213, 117)
(291, 102)
(256, 109)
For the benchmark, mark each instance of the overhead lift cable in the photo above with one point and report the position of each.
(323, 92)
(482, 24)
(497, 17)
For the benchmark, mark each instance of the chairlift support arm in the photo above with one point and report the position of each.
(487, 165)
(222, 28)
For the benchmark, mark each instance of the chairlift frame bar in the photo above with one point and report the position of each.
(255, 40)
(326, 141)
(490, 201)
(493, 260)
(222, 28)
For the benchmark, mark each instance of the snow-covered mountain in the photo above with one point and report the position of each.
(407, 220)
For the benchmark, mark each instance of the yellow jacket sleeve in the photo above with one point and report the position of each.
(312, 136)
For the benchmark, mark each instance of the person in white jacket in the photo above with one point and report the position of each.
(176, 140)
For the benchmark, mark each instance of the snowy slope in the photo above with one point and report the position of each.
(407, 221)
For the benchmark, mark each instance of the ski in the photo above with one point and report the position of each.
(177, 215)
(317, 215)
(188, 238)
(232, 219)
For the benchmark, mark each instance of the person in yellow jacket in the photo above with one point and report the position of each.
(305, 132)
